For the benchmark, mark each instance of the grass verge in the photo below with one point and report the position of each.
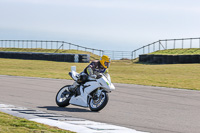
(12, 124)
(189, 51)
(185, 76)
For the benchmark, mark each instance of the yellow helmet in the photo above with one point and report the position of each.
(105, 61)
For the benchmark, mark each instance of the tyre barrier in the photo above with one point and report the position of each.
(169, 59)
(82, 58)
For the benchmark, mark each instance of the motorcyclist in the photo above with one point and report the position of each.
(92, 70)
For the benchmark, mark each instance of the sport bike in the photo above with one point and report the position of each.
(93, 93)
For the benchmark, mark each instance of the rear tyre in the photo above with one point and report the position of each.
(97, 104)
(63, 96)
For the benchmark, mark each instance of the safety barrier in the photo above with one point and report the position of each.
(82, 58)
(169, 59)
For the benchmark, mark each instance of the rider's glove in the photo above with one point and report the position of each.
(99, 76)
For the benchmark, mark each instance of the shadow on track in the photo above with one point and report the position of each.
(68, 109)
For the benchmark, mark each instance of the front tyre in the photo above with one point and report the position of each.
(63, 96)
(97, 104)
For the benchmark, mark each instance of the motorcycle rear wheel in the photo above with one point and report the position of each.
(63, 96)
(99, 103)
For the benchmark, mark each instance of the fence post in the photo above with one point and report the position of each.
(102, 52)
(165, 44)
(36, 44)
(148, 48)
(182, 44)
(159, 44)
(199, 42)
(51, 44)
(132, 55)
(143, 50)
(31, 44)
(46, 45)
(190, 42)
(174, 43)
(135, 54)
(62, 45)
(5, 43)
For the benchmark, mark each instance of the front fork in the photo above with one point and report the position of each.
(95, 94)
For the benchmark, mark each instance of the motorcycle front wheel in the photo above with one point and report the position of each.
(97, 104)
(63, 96)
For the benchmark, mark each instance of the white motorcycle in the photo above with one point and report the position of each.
(92, 93)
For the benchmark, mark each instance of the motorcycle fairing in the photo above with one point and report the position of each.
(106, 84)
(85, 90)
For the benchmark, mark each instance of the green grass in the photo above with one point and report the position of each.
(92, 56)
(189, 51)
(12, 124)
(185, 76)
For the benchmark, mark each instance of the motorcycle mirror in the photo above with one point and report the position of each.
(73, 68)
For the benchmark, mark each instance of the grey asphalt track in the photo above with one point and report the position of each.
(144, 108)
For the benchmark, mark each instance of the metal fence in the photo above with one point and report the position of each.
(167, 44)
(47, 45)
(118, 55)
(115, 55)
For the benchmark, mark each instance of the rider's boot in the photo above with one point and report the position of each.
(73, 87)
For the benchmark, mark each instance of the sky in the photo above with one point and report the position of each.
(103, 24)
